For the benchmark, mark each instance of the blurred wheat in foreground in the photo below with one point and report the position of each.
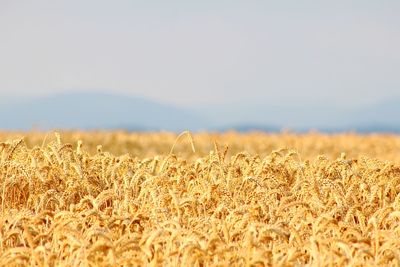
(112, 199)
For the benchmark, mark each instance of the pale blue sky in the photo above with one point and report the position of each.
(341, 53)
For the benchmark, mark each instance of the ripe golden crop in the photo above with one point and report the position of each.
(115, 198)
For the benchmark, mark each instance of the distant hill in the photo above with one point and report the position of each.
(385, 114)
(250, 128)
(380, 117)
(97, 111)
(109, 111)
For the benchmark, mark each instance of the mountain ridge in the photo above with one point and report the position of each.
(97, 110)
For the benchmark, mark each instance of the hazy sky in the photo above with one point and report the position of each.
(204, 52)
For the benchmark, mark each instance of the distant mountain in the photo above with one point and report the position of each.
(385, 114)
(275, 116)
(108, 111)
(249, 128)
(380, 117)
(97, 111)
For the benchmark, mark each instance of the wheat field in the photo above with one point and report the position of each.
(207, 199)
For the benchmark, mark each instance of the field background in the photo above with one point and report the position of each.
(256, 199)
(142, 145)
